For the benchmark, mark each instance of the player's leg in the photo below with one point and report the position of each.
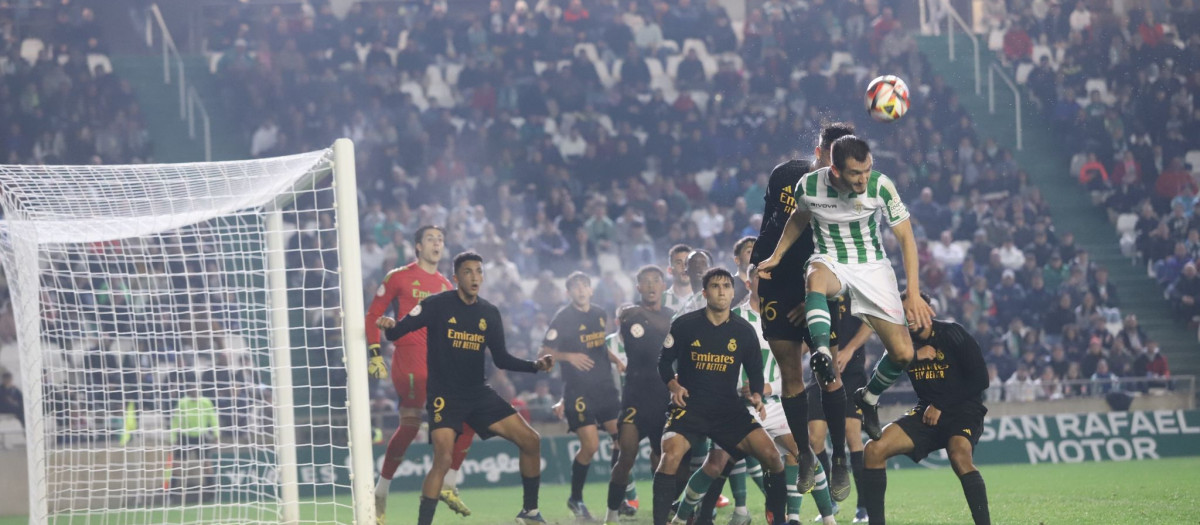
(893, 442)
(529, 444)
(675, 448)
(855, 444)
(449, 492)
(788, 355)
(898, 343)
(410, 386)
(628, 441)
(738, 487)
(443, 454)
(758, 444)
(961, 453)
(833, 405)
(701, 482)
(589, 444)
(821, 284)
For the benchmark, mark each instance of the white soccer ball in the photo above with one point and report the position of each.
(887, 98)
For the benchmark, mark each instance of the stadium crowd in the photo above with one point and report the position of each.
(595, 135)
(1122, 79)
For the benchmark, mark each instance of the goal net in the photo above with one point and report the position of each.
(191, 346)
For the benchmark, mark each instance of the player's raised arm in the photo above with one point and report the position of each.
(500, 355)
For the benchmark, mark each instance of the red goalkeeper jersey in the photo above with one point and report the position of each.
(401, 290)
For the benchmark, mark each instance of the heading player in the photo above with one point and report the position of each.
(949, 376)
(841, 203)
(400, 291)
(589, 400)
(782, 299)
(461, 325)
(704, 397)
(644, 327)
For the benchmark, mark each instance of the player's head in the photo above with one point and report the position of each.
(698, 262)
(718, 289)
(651, 283)
(829, 134)
(851, 158)
(430, 242)
(678, 258)
(742, 250)
(468, 274)
(579, 289)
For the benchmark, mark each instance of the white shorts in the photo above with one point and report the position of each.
(775, 423)
(872, 287)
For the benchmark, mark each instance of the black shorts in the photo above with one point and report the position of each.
(726, 426)
(479, 408)
(853, 382)
(583, 409)
(777, 296)
(927, 439)
(649, 421)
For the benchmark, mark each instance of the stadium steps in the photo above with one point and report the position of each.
(1045, 159)
(160, 108)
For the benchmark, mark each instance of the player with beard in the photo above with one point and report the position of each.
(589, 401)
(643, 328)
(783, 311)
(680, 288)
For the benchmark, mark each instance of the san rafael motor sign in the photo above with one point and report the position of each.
(1075, 438)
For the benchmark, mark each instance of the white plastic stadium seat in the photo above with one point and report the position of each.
(402, 42)
(995, 41)
(673, 65)
(433, 75)
(589, 49)
(615, 72)
(1126, 222)
(31, 48)
(606, 78)
(1023, 71)
(214, 61)
(1040, 51)
(710, 66)
(361, 50)
(1193, 158)
(99, 59)
(670, 45)
(539, 66)
(838, 58)
(697, 44)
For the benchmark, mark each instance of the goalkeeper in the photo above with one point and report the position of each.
(194, 427)
(400, 291)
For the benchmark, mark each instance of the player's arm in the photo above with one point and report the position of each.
(796, 223)
(915, 309)
(551, 346)
(846, 352)
(419, 317)
(666, 368)
(384, 296)
(500, 355)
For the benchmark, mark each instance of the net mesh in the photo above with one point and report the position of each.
(151, 345)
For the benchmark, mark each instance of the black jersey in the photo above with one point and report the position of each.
(575, 331)
(457, 334)
(780, 202)
(848, 326)
(642, 332)
(953, 376)
(709, 359)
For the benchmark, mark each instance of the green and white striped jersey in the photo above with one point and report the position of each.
(616, 347)
(687, 304)
(846, 225)
(771, 374)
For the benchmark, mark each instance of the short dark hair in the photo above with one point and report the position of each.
(679, 248)
(715, 273)
(833, 131)
(420, 233)
(650, 268)
(737, 247)
(849, 147)
(578, 276)
(464, 257)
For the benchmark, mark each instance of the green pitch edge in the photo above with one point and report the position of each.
(160, 107)
(1045, 158)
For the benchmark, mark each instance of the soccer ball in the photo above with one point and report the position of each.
(887, 98)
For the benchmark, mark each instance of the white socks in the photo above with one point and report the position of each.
(870, 398)
(450, 482)
(382, 487)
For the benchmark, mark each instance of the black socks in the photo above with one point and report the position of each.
(873, 484)
(834, 405)
(976, 493)
(664, 495)
(425, 514)
(530, 486)
(795, 409)
(579, 474)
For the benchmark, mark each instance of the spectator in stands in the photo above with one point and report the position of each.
(1093, 175)
(1174, 181)
(1104, 290)
(1157, 362)
(1009, 298)
(999, 357)
(1018, 46)
(11, 400)
(1091, 359)
(1185, 293)
(1104, 380)
(1132, 335)
(1021, 387)
(1049, 388)
(1167, 270)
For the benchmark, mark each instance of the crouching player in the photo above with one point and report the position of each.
(949, 376)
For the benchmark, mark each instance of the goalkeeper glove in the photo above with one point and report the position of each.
(377, 369)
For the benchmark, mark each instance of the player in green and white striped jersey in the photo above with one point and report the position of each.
(843, 204)
(776, 425)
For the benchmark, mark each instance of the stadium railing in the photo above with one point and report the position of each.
(996, 69)
(191, 107)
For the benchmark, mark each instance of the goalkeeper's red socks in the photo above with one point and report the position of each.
(461, 446)
(397, 446)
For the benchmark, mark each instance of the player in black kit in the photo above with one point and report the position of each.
(644, 327)
(460, 325)
(576, 339)
(702, 358)
(783, 322)
(949, 376)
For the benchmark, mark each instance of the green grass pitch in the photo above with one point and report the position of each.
(1161, 491)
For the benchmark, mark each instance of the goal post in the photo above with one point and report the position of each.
(191, 340)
